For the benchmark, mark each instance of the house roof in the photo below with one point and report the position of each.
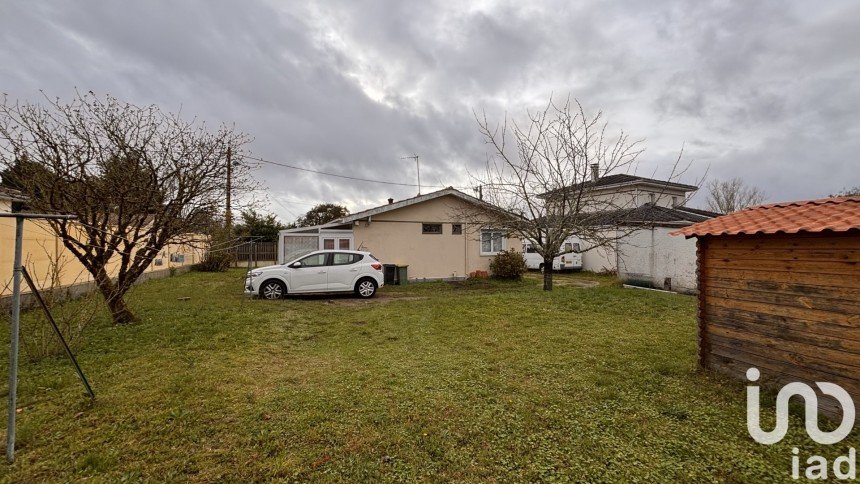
(653, 214)
(622, 179)
(11, 194)
(347, 220)
(407, 202)
(837, 214)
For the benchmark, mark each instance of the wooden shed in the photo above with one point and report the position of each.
(779, 290)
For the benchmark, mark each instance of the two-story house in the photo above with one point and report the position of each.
(644, 210)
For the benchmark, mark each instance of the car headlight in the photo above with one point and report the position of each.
(255, 273)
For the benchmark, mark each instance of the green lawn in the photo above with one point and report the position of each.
(475, 381)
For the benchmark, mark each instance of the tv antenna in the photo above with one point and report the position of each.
(417, 169)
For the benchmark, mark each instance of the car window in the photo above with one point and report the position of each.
(315, 260)
(341, 258)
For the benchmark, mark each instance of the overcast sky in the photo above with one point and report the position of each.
(768, 91)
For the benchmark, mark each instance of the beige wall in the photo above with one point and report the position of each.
(395, 238)
(51, 264)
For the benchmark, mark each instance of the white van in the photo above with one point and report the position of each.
(572, 261)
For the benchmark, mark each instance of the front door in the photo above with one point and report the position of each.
(312, 276)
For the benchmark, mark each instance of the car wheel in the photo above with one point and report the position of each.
(273, 289)
(540, 267)
(365, 288)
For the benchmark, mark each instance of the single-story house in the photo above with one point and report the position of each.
(426, 233)
(52, 264)
(779, 290)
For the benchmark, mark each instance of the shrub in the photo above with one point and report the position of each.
(214, 262)
(508, 264)
(38, 339)
(72, 310)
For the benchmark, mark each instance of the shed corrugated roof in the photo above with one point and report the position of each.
(837, 214)
(11, 194)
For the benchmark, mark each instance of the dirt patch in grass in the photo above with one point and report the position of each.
(569, 279)
(572, 283)
(351, 301)
(471, 284)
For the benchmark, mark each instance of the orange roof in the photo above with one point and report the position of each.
(838, 214)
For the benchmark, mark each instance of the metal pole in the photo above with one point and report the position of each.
(13, 341)
(250, 244)
(228, 212)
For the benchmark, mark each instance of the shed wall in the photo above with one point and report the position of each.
(786, 304)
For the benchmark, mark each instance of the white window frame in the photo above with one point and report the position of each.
(490, 231)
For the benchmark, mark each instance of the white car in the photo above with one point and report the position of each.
(321, 271)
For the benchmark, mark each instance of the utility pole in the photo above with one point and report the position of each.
(417, 169)
(228, 215)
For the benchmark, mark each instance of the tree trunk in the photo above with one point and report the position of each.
(547, 274)
(120, 313)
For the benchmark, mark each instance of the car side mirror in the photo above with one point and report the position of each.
(296, 265)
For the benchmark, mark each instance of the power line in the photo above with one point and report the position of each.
(285, 207)
(318, 172)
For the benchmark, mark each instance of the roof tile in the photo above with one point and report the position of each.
(838, 214)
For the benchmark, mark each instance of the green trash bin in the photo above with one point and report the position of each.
(402, 277)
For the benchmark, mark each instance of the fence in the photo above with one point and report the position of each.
(255, 252)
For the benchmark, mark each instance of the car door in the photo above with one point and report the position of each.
(343, 270)
(312, 275)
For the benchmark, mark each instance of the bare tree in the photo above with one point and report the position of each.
(543, 186)
(847, 192)
(137, 179)
(728, 196)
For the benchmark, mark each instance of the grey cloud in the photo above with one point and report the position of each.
(764, 90)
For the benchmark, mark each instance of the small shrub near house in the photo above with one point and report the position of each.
(214, 262)
(508, 264)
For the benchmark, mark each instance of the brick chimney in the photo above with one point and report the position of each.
(595, 172)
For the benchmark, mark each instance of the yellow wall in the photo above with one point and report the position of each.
(42, 252)
(395, 238)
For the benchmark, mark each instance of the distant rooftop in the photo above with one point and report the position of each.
(622, 179)
(656, 215)
(11, 194)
